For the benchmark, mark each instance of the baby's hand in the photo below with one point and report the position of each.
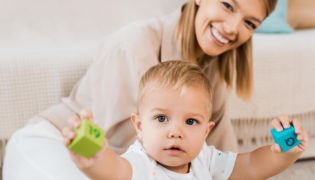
(283, 121)
(69, 134)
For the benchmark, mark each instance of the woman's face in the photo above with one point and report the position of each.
(222, 25)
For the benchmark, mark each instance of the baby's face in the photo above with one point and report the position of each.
(173, 125)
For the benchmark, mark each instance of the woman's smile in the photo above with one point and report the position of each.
(217, 37)
(223, 25)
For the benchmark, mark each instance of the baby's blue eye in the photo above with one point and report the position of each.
(191, 121)
(161, 118)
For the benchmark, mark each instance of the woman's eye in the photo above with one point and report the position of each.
(228, 6)
(252, 25)
(161, 118)
(191, 121)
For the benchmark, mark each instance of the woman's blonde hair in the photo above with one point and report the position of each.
(237, 60)
(174, 74)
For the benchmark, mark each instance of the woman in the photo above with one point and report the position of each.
(215, 34)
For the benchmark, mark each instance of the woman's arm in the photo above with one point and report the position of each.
(268, 161)
(105, 164)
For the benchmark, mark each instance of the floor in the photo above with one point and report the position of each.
(301, 170)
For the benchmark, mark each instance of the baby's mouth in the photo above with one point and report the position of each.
(174, 149)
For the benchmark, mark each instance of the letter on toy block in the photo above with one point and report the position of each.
(89, 139)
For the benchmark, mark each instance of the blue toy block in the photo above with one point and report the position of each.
(287, 138)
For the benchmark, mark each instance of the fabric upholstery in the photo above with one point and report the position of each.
(277, 21)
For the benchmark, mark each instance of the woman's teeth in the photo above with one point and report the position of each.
(218, 37)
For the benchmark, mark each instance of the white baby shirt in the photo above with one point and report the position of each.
(210, 164)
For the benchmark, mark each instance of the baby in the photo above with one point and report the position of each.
(172, 123)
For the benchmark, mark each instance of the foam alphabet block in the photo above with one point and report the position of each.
(89, 139)
(287, 138)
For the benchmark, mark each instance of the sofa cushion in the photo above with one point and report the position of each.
(277, 21)
(33, 78)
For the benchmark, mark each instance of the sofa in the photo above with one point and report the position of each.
(284, 83)
(47, 46)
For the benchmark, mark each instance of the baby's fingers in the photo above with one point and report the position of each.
(74, 122)
(285, 121)
(68, 134)
(68, 131)
(277, 124)
(298, 126)
(86, 114)
(299, 130)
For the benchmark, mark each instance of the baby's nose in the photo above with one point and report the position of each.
(176, 132)
(175, 135)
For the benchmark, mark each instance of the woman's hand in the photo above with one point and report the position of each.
(69, 134)
(283, 121)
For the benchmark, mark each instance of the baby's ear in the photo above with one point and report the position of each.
(135, 119)
(210, 126)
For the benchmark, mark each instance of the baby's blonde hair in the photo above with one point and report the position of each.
(174, 74)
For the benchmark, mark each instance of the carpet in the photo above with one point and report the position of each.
(300, 170)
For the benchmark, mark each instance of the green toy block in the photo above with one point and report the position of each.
(89, 139)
